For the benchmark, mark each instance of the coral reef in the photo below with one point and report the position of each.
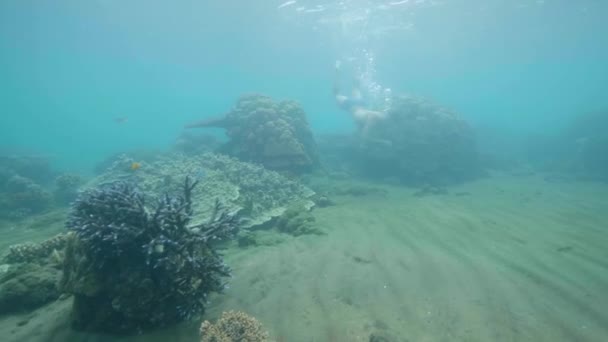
(265, 194)
(23, 194)
(66, 187)
(131, 267)
(422, 142)
(274, 134)
(35, 167)
(27, 286)
(233, 326)
(37, 253)
(138, 155)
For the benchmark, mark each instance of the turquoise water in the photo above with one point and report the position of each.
(69, 68)
(478, 214)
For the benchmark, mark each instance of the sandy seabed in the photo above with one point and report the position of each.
(499, 259)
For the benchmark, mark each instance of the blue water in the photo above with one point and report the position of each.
(69, 68)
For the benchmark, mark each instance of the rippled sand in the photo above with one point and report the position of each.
(501, 259)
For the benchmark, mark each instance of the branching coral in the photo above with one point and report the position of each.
(139, 268)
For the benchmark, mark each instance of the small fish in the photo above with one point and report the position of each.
(121, 119)
(286, 3)
(135, 166)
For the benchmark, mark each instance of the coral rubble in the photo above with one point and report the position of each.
(131, 267)
(233, 326)
(274, 134)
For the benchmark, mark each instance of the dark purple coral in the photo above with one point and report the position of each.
(142, 268)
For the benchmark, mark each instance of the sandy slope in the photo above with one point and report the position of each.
(504, 260)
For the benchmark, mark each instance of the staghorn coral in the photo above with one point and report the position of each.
(274, 134)
(265, 194)
(38, 253)
(130, 267)
(233, 326)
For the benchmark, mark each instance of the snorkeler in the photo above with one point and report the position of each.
(356, 106)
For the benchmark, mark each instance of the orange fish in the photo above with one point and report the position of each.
(135, 166)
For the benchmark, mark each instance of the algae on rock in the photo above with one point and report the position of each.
(297, 220)
(27, 286)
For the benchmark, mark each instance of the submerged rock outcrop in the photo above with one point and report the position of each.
(273, 134)
(419, 142)
(422, 142)
(27, 286)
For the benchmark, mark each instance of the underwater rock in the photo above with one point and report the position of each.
(419, 142)
(274, 134)
(261, 193)
(233, 326)
(297, 220)
(131, 267)
(27, 286)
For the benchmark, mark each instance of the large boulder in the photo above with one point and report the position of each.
(419, 142)
(262, 131)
